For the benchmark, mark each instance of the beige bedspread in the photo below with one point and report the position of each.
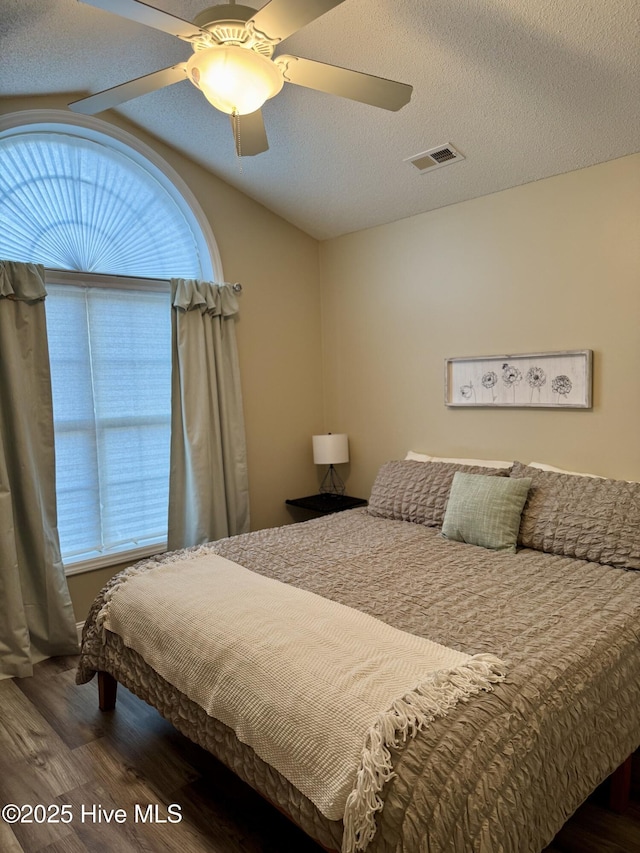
(501, 773)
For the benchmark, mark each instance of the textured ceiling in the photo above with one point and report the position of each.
(524, 89)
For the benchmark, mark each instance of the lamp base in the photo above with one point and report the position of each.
(332, 484)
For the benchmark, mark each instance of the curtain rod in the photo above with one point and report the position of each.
(129, 282)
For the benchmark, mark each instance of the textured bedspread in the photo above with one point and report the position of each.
(499, 773)
(320, 691)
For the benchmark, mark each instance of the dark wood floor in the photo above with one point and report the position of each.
(57, 748)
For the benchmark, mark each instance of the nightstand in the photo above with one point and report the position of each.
(325, 503)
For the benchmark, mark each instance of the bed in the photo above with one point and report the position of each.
(506, 767)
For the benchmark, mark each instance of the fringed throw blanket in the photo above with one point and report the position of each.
(320, 691)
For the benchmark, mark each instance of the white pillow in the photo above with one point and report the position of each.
(544, 467)
(483, 463)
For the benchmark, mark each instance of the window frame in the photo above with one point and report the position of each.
(117, 282)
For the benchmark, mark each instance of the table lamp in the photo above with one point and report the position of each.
(331, 449)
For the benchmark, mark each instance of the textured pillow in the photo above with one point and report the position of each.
(418, 491)
(585, 517)
(485, 510)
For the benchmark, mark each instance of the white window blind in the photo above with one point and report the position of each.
(77, 204)
(111, 375)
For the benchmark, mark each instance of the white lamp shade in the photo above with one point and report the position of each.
(331, 449)
(234, 79)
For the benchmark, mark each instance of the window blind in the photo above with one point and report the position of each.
(77, 204)
(111, 381)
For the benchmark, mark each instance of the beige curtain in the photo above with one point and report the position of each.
(36, 616)
(208, 489)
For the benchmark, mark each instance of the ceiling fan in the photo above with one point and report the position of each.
(233, 63)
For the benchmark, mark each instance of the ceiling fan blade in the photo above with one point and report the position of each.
(377, 91)
(152, 17)
(133, 89)
(281, 18)
(249, 134)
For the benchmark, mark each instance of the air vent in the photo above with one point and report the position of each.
(441, 155)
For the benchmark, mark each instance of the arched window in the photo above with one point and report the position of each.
(111, 223)
(79, 194)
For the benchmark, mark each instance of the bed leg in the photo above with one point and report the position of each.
(620, 787)
(107, 690)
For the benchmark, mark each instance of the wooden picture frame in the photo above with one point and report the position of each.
(553, 380)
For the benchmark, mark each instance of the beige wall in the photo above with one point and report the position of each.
(548, 266)
(278, 337)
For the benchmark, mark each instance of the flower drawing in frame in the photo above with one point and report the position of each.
(489, 381)
(467, 391)
(536, 378)
(561, 385)
(511, 376)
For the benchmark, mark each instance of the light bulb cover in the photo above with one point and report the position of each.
(235, 79)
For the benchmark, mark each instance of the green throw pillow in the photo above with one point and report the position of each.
(485, 510)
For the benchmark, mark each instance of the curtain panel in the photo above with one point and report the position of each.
(36, 615)
(208, 484)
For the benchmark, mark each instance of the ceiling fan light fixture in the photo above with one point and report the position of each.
(235, 79)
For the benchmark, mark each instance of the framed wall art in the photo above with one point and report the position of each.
(556, 380)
